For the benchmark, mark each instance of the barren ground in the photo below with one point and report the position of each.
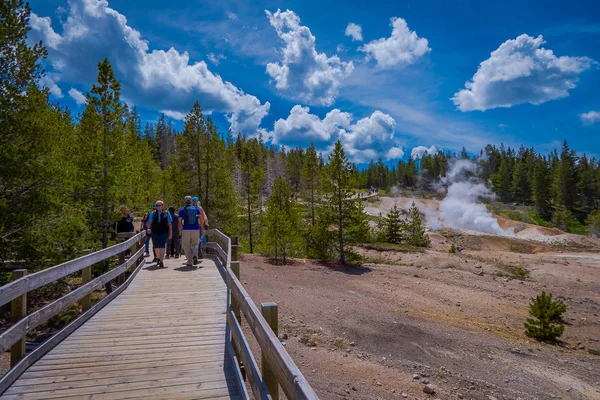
(456, 320)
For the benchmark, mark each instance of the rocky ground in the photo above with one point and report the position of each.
(408, 319)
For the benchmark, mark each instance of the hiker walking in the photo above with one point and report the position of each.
(125, 224)
(189, 225)
(174, 244)
(203, 227)
(145, 228)
(160, 224)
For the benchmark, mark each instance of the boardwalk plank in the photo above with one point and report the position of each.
(163, 337)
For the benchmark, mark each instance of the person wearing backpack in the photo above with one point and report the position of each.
(174, 244)
(189, 225)
(161, 229)
(203, 227)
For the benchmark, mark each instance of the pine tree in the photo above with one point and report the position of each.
(338, 207)
(414, 229)
(282, 237)
(565, 184)
(311, 178)
(562, 217)
(593, 222)
(541, 188)
(394, 226)
(102, 144)
(547, 324)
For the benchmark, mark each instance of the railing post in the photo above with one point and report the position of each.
(235, 268)
(18, 311)
(86, 277)
(121, 277)
(269, 312)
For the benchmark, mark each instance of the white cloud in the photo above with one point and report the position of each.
(303, 73)
(158, 79)
(302, 126)
(77, 96)
(520, 71)
(368, 138)
(402, 47)
(48, 81)
(419, 151)
(232, 15)
(215, 58)
(51, 38)
(174, 114)
(590, 117)
(355, 31)
(372, 137)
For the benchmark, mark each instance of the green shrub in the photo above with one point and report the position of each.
(452, 249)
(547, 323)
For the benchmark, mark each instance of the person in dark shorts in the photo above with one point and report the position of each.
(160, 224)
(174, 244)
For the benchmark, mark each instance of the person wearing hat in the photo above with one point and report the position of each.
(190, 221)
(160, 224)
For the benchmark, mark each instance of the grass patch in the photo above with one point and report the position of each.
(311, 340)
(339, 342)
(521, 248)
(382, 261)
(401, 247)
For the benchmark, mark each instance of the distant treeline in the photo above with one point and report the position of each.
(559, 182)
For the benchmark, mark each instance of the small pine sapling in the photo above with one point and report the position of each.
(548, 323)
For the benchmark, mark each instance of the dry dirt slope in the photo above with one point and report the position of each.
(363, 333)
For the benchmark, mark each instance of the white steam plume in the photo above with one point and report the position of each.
(460, 208)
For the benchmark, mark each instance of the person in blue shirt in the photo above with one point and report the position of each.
(161, 229)
(190, 221)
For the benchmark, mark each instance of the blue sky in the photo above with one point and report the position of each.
(383, 77)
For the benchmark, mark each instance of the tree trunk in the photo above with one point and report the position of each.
(249, 208)
(105, 222)
(341, 227)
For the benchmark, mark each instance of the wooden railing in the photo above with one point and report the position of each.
(278, 368)
(16, 293)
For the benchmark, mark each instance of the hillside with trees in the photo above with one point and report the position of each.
(63, 177)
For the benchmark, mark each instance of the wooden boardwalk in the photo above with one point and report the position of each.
(164, 337)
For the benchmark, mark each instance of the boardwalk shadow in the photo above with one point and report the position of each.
(152, 267)
(188, 268)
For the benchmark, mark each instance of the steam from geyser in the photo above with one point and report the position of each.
(460, 208)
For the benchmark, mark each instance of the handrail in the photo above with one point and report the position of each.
(31, 282)
(14, 337)
(32, 321)
(287, 374)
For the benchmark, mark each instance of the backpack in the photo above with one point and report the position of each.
(190, 218)
(162, 227)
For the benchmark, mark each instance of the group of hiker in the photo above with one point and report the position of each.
(171, 232)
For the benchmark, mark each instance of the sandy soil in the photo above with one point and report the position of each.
(362, 333)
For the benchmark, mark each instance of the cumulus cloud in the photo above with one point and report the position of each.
(158, 79)
(402, 47)
(51, 38)
(419, 151)
(303, 73)
(303, 126)
(520, 71)
(355, 31)
(368, 138)
(232, 15)
(77, 96)
(591, 117)
(174, 114)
